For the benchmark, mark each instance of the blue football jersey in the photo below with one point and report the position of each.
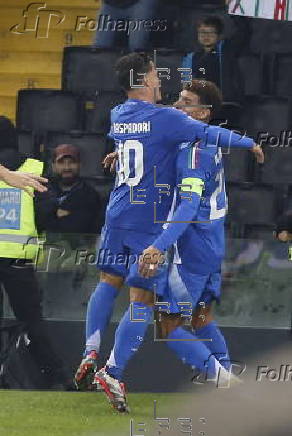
(147, 137)
(201, 247)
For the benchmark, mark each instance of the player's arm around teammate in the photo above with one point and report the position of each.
(201, 101)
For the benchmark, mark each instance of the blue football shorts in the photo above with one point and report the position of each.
(119, 252)
(183, 286)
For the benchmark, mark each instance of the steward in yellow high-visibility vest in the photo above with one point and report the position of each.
(18, 232)
(18, 251)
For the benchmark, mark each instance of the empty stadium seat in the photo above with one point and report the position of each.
(46, 109)
(281, 76)
(251, 205)
(278, 165)
(262, 115)
(87, 70)
(264, 233)
(104, 188)
(271, 36)
(251, 69)
(27, 143)
(93, 148)
(97, 111)
(288, 203)
(237, 165)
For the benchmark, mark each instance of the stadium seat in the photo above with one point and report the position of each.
(265, 115)
(251, 69)
(237, 165)
(271, 36)
(93, 148)
(97, 111)
(251, 205)
(264, 233)
(48, 109)
(278, 165)
(87, 70)
(259, 35)
(287, 209)
(27, 144)
(104, 188)
(281, 76)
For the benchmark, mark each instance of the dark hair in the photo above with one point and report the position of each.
(138, 62)
(208, 93)
(212, 20)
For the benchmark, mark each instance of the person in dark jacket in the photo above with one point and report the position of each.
(70, 206)
(216, 59)
(71, 213)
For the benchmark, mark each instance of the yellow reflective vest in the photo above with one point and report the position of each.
(18, 233)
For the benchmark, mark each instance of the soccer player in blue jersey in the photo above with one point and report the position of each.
(195, 274)
(147, 137)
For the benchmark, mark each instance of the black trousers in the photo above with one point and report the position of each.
(22, 289)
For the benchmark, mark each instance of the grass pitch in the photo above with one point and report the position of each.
(24, 413)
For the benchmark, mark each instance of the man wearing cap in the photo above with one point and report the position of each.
(70, 213)
(70, 205)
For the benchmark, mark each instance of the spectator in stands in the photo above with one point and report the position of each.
(70, 205)
(116, 14)
(72, 216)
(216, 59)
(19, 250)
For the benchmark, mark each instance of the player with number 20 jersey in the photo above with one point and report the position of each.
(147, 138)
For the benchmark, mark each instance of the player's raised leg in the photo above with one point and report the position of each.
(129, 336)
(101, 304)
(99, 311)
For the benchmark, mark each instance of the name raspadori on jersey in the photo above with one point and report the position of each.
(130, 128)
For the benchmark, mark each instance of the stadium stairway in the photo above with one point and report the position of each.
(33, 59)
